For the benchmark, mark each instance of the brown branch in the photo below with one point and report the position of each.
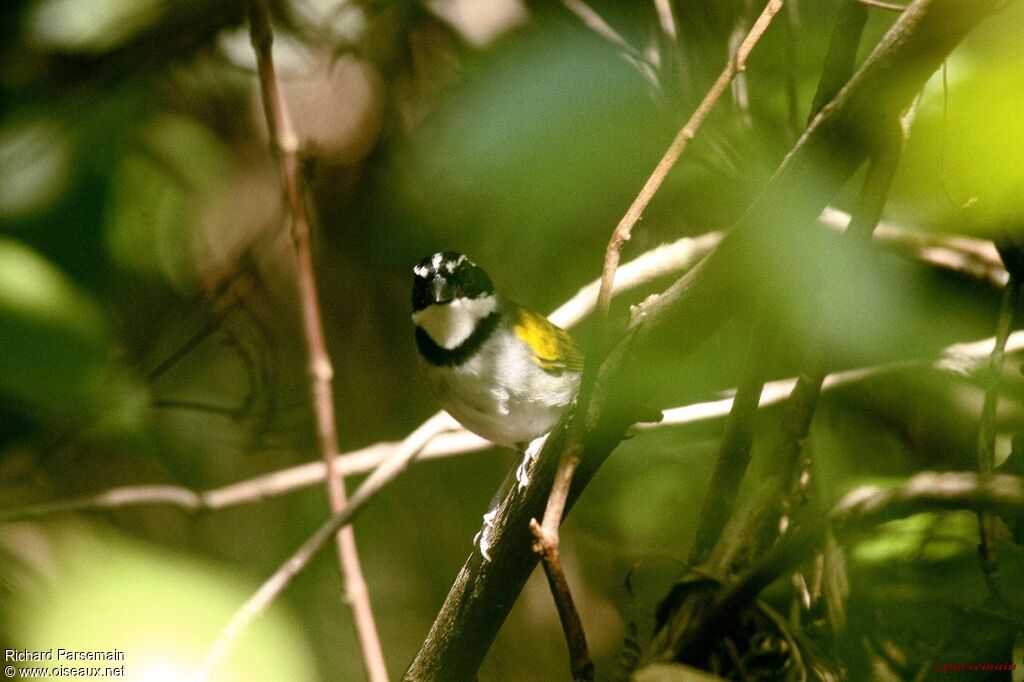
(580, 663)
(624, 229)
(546, 538)
(285, 145)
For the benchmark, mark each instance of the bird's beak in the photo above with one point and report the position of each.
(442, 290)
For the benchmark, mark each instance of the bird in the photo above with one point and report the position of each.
(503, 371)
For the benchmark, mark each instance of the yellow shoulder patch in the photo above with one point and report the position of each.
(553, 348)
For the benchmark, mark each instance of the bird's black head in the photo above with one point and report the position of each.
(446, 276)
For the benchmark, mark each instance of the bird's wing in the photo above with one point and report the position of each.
(553, 349)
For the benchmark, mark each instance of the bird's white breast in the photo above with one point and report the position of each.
(500, 393)
(450, 324)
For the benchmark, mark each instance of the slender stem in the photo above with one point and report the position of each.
(546, 543)
(732, 459)
(285, 144)
(987, 428)
(623, 231)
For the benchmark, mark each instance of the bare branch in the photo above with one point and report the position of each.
(546, 539)
(275, 584)
(285, 144)
(448, 439)
(624, 229)
(926, 491)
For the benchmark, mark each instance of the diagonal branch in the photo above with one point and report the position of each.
(733, 455)
(282, 577)
(546, 537)
(285, 145)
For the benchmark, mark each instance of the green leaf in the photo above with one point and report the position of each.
(52, 335)
(161, 609)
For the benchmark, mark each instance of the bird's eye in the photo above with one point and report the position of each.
(472, 281)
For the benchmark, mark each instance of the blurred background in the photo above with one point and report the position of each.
(149, 329)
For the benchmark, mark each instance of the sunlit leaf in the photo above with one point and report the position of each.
(52, 334)
(90, 25)
(34, 163)
(161, 609)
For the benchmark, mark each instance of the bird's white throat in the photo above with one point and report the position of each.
(449, 324)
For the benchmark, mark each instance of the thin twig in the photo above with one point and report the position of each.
(580, 663)
(276, 583)
(624, 229)
(546, 539)
(285, 144)
(878, 4)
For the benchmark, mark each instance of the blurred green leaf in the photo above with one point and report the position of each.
(546, 134)
(34, 163)
(90, 25)
(158, 192)
(922, 537)
(103, 592)
(52, 334)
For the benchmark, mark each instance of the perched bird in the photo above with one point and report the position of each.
(503, 371)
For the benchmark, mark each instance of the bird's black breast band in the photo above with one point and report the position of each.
(453, 357)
